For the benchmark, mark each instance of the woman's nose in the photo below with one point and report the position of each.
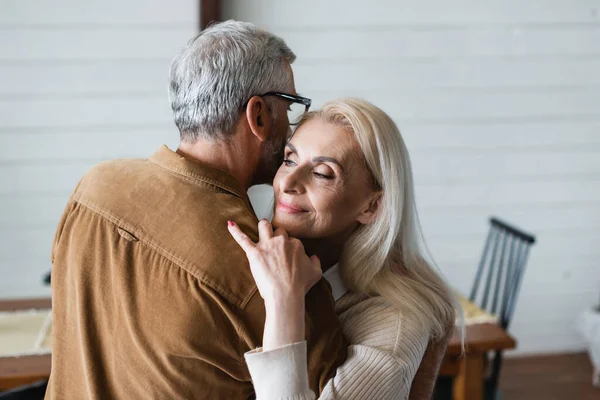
(292, 182)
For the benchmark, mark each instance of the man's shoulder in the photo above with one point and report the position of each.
(185, 222)
(107, 177)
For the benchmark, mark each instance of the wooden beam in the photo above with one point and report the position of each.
(210, 11)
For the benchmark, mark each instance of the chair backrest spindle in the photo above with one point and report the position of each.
(480, 268)
(500, 273)
(489, 272)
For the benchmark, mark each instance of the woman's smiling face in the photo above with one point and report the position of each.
(323, 188)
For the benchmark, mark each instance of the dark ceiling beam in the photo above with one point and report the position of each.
(210, 11)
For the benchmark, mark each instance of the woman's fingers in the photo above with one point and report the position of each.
(278, 266)
(316, 261)
(240, 237)
(281, 232)
(265, 230)
(317, 269)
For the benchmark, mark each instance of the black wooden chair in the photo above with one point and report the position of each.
(47, 278)
(498, 281)
(496, 289)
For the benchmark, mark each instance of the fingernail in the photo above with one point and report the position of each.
(230, 223)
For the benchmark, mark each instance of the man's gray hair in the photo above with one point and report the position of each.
(219, 71)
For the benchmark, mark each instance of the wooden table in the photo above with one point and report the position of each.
(468, 369)
(17, 371)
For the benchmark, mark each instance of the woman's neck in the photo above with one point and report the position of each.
(329, 250)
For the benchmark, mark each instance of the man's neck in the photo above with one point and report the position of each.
(227, 156)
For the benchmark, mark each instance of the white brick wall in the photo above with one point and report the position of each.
(80, 82)
(499, 103)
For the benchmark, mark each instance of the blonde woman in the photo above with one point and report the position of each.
(345, 191)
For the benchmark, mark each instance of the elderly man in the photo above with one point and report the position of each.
(152, 298)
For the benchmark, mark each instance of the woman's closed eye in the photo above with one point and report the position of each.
(319, 171)
(323, 171)
(322, 176)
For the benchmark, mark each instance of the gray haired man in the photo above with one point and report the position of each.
(152, 298)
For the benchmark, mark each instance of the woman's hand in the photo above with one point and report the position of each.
(278, 263)
(283, 274)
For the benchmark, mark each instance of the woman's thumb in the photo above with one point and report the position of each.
(315, 260)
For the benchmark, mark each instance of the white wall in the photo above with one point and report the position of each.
(499, 103)
(80, 82)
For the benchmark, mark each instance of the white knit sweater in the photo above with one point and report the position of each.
(385, 351)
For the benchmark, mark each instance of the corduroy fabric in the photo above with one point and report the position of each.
(153, 299)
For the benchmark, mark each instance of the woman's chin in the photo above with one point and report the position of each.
(293, 227)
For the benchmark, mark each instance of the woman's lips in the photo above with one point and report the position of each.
(289, 208)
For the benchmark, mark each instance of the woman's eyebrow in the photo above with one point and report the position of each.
(292, 148)
(328, 159)
(317, 159)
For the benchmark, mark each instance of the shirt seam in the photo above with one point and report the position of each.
(194, 178)
(238, 329)
(202, 181)
(398, 328)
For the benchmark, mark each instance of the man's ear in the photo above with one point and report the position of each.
(371, 210)
(259, 118)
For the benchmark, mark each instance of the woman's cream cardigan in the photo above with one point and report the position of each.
(385, 351)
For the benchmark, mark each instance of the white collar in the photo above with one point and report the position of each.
(338, 288)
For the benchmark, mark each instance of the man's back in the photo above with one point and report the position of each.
(151, 296)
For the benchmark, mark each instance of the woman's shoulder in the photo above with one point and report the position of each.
(376, 306)
(375, 321)
(353, 303)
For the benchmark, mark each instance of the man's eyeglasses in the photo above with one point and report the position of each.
(298, 107)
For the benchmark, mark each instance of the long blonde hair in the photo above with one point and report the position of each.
(387, 256)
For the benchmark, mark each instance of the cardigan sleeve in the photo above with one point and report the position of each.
(386, 349)
(280, 373)
(368, 372)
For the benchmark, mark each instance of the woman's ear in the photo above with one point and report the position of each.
(259, 118)
(372, 209)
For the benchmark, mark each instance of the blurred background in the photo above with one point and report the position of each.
(498, 102)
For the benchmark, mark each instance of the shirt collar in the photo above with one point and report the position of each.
(338, 288)
(195, 172)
